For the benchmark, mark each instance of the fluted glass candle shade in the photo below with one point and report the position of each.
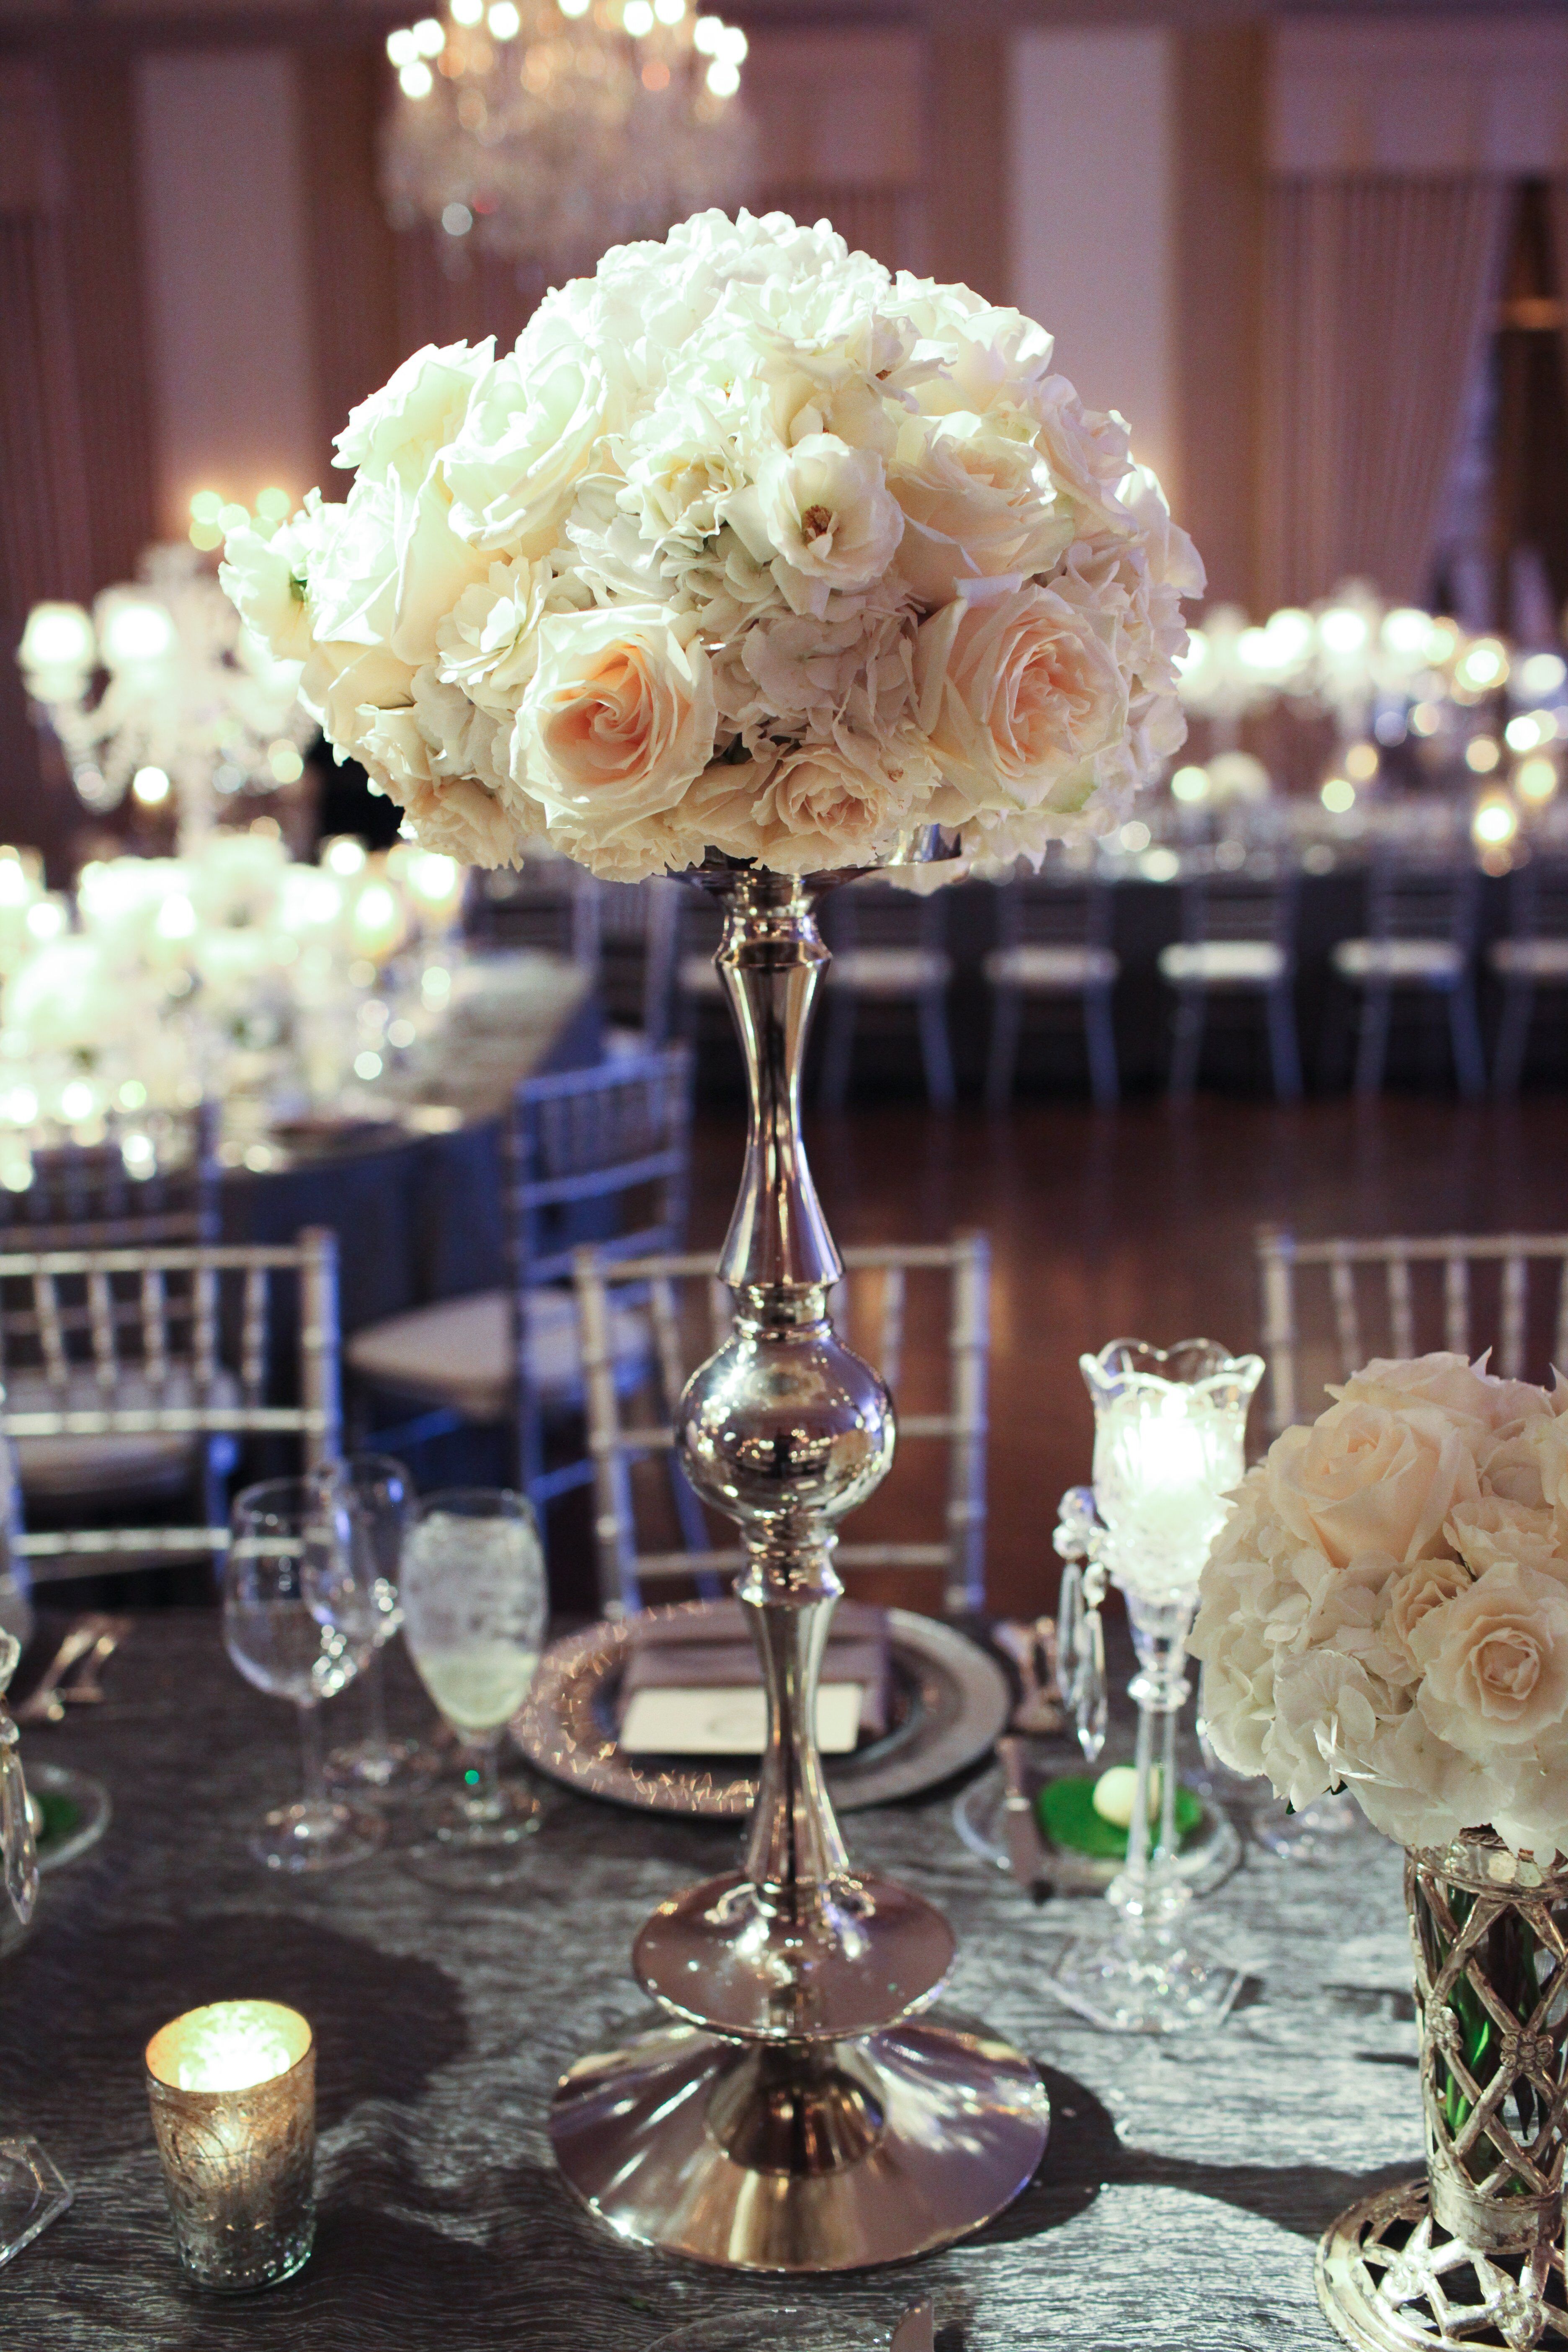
(1170, 1430)
(233, 2093)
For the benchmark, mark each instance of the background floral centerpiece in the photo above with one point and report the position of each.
(746, 545)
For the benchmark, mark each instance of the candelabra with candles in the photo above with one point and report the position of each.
(192, 704)
(1169, 1445)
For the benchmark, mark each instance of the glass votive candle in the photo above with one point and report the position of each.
(233, 2093)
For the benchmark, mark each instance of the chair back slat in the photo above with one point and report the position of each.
(1515, 1300)
(1400, 1311)
(691, 1312)
(253, 1335)
(101, 1315)
(1470, 1293)
(1456, 1304)
(1347, 1321)
(50, 1330)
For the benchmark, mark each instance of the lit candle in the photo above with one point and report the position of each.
(233, 2093)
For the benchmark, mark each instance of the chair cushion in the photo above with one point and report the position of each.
(459, 1352)
(128, 1468)
(1223, 963)
(1047, 970)
(1410, 963)
(890, 971)
(1544, 960)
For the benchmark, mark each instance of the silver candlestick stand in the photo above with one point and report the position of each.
(795, 2114)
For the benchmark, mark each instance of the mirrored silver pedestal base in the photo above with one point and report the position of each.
(825, 2157)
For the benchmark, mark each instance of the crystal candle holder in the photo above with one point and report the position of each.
(233, 2093)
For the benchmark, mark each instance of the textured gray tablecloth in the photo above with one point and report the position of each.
(1176, 2207)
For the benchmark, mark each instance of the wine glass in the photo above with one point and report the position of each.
(474, 1607)
(377, 1493)
(298, 1621)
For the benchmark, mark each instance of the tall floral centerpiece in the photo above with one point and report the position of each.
(1387, 1611)
(755, 563)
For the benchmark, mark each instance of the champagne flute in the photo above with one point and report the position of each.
(474, 1608)
(377, 1493)
(299, 1622)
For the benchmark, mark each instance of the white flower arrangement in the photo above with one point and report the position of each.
(1387, 1607)
(746, 545)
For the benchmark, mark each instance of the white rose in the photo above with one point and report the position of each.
(353, 570)
(488, 643)
(1496, 1662)
(1016, 691)
(1418, 1790)
(825, 511)
(434, 567)
(1087, 450)
(817, 807)
(1414, 1593)
(398, 430)
(533, 428)
(1362, 1479)
(1492, 1531)
(371, 682)
(1465, 1391)
(616, 721)
(977, 502)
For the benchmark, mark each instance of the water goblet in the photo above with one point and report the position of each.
(474, 1608)
(299, 1622)
(377, 1493)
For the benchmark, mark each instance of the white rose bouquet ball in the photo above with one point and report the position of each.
(1387, 1607)
(746, 545)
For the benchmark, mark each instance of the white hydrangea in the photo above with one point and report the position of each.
(746, 545)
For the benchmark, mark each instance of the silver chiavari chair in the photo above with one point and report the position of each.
(638, 928)
(1053, 944)
(549, 906)
(1421, 937)
(690, 1313)
(130, 1374)
(1534, 957)
(889, 949)
(606, 1150)
(1328, 1306)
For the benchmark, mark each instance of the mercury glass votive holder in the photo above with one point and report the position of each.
(233, 2091)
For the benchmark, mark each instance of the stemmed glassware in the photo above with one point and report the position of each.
(300, 1621)
(1169, 1445)
(377, 1494)
(475, 1603)
(32, 2190)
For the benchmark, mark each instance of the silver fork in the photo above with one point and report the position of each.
(44, 1703)
(82, 1687)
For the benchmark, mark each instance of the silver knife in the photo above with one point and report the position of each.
(916, 2332)
(1020, 1831)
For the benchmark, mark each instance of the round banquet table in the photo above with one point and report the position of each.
(1177, 2205)
(418, 1215)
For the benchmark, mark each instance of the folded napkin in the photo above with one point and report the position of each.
(692, 1684)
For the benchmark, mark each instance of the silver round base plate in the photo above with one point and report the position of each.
(1391, 2279)
(794, 2160)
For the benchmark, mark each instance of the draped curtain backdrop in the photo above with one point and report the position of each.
(1381, 294)
(76, 465)
(1558, 191)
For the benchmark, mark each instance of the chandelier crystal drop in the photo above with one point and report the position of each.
(546, 131)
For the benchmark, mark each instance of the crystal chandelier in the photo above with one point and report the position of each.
(547, 130)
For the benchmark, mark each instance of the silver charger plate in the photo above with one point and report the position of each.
(1209, 1851)
(950, 1702)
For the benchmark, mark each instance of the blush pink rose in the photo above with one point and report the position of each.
(1362, 1479)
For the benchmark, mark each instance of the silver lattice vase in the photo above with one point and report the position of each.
(1474, 2253)
(796, 2112)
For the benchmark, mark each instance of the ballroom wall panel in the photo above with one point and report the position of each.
(227, 274)
(1093, 219)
